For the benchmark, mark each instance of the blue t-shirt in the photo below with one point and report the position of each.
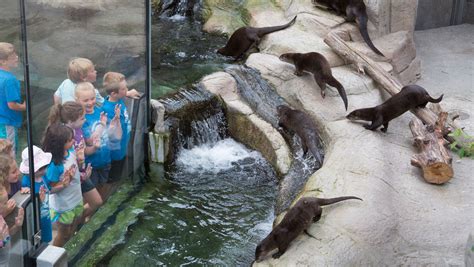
(26, 182)
(9, 92)
(101, 157)
(118, 152)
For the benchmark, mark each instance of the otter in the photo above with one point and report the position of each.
(304, 127)
(317, 65)
(243, 38)
(411, 96)
(297, 220)
(353, 9)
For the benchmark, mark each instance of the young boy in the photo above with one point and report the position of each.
(116, 87)
(10, 96)
(79, 70)
(96, 134)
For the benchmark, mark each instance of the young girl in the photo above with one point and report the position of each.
(63, 174)
(41, 162)
(6, 231)
(10, 176)
(73, 115)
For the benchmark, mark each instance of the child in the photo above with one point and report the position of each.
(95, 134)
(63, 176)
(41, 162)
(12, 183)
(10, 97)
(6, 231)
(79, 70)
(73, 115)
(116, 87)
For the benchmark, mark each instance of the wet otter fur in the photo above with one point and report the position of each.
(297, 220)
(411, 96)
(300, 123)
(352, 9)
(243, 39)
(317, 65)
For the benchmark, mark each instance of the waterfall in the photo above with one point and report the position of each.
(177, 9)
(263, 99)
(195, 117)
(257, 92)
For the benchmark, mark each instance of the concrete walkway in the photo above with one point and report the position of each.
(447, 56)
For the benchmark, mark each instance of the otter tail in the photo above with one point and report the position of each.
(266, 30)
(365, 34)
(329, 201)
(435, 100)
(342, 92)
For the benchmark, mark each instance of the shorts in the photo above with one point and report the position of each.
(116, 170)
(87, 185)
(100, 175)
(10, 133)
(67, 217)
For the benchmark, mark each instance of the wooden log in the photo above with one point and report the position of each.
(434, 159)
(390, 83)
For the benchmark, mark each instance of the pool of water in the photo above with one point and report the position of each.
(211, 209)
(182, 53)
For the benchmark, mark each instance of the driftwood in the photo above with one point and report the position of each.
(388, 82)
(434, 159)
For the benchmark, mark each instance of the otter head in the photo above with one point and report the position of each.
(222, 51)
(282, 109)
(361, 114)
(287, 57)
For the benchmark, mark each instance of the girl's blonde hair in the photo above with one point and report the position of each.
(112, 81)
(84, 87)
(6, 50)
(78, 69)
(65, 113)
(5, 163)
(6, 146)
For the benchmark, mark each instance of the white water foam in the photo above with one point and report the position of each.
(215, 158)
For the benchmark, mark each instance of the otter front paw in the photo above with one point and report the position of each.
(277, 255)
(384, 129)
(368, 126)
(323, 94)
(298, 73)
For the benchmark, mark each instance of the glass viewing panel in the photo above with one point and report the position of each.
(111, 35)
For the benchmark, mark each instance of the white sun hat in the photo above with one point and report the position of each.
(41, 159)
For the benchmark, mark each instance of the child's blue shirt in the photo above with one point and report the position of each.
(118, 152)
(101, 157)
(9, 92)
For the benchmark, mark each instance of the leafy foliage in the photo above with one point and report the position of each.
(463, 143)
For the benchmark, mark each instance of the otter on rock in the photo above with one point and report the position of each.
(300, 123)
(411, 96)
(243, 38)
(353, 9)
(297, 220)
(317, 65)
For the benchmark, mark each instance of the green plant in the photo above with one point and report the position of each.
(463, 143)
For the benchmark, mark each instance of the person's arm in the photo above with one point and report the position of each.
(56, 99)
(115, 127)
(17, 106)
(133, 94)
(18, 222)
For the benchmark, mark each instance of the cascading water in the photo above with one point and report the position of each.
(264, 101)
(214, 204)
